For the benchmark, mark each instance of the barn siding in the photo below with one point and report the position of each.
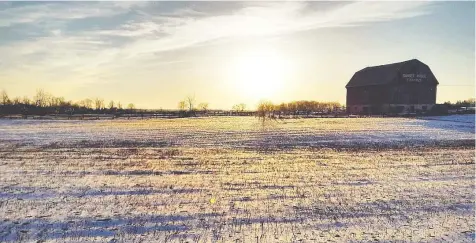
(409, 84)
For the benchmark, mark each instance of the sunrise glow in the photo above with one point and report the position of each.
(260, 74)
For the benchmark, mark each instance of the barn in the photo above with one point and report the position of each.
(399, 88)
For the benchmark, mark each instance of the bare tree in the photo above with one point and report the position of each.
(203, 106)
(283, 109)
(16, 101)
(182, 105)
(265, 110)
(26, 100)
(41, 98)
(88, 103)
(111, 105)
(98, 103)
(50, 100)
(119, 105)
(68, 103)
(56, 101)
(4, 97)
(242, 106)
(239, 107)
(190, 101)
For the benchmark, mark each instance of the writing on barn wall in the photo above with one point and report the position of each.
(411, 77)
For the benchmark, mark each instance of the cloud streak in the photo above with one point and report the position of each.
(153, 28)
(39, 12)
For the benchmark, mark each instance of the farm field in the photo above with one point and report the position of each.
(234, 179)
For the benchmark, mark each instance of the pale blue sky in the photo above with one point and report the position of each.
(155, 53)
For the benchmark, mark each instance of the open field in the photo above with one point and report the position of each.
(231, 179)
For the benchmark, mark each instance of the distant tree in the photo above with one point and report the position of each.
(98, 103)
(45, 103)
(265, 110)
(471, 102)
(119, 105)
(131, 106)
(68, 103)
(335, 106)
(283, 109)
(26, 100)
(466, 103)
(56, 101)
(239, 107)
(190, 101)
(293, 107)
(87, 103)
(4, 98)
(182, 105)
(242, 106)
(41, 98)
(111, 105)
(16, 101)
(203, 106)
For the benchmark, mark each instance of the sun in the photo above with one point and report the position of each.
(260, 74)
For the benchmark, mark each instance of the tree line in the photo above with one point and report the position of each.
(190, 106)
(461, 103)
(43, 103)
(267, 109)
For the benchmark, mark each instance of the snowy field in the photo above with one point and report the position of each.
(236, 180)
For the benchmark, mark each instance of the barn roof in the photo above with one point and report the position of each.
(379, 75)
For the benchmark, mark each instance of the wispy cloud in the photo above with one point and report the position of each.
(38, 12)
(155, 27)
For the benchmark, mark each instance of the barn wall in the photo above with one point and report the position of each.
(411, 93)
(368, 95)
(408, 93)
(389, 108)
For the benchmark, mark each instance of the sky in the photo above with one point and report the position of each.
(154, 54)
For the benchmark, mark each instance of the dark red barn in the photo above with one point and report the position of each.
(403, 87)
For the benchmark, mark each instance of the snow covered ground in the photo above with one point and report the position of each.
(235, 132)
(237, 180)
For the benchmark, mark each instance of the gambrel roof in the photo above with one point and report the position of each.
(389, 73)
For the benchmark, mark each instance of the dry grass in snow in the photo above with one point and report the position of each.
(230, 180)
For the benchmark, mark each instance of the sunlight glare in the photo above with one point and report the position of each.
(260, 74)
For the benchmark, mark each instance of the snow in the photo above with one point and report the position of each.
(235, 180)
(240, 132)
